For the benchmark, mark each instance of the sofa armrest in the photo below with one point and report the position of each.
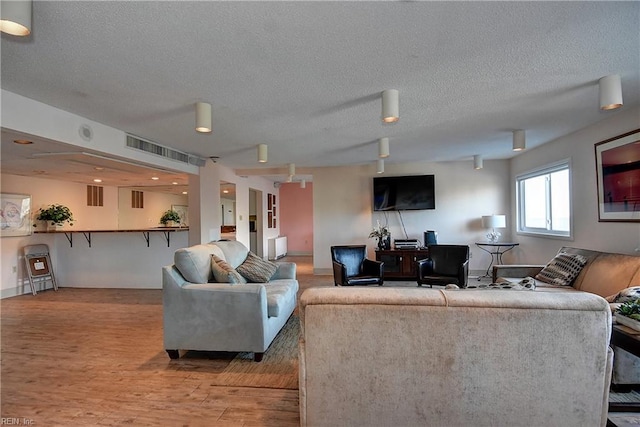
(339, 273)
(286, 270)
(463, 274)
(372, 267)
(516, 270)
(232, 315)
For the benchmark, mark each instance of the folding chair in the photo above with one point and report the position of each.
(38, 263)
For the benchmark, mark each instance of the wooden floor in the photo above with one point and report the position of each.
(81, 357)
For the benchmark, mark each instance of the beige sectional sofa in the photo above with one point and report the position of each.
(430, 357)
(605, 274)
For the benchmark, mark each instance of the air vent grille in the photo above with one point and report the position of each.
(159, 150)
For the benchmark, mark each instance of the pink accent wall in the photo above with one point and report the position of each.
(296, 217)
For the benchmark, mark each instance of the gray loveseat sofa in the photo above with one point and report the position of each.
(201, 314)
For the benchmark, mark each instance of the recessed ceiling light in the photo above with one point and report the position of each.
(97, 180)
(22, 141)
(99, 168)
(184, 192)
(225, 191)
(155, 178)
(174, 183)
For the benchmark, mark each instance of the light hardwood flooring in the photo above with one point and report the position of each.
(81, 357)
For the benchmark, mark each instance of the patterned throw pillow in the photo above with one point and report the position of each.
(562, 269)
(257, 270)
(223, 272)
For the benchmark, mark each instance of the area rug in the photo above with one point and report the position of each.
(278, 368)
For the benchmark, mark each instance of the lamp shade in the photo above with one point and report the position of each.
(477, 161)
(610, 92)
(15, 17)
(383, 148)
(203, 117)
(380, 166)
(519, 140)
(390, 106)
(494, 221)
(262, 153)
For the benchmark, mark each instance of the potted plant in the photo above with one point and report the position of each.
(169, 218)
(383, 235)
(55, 215)
(628, 314)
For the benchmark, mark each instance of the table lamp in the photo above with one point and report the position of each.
(493, 222)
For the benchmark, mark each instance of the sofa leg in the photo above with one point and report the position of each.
(257, 357)
(173, 354)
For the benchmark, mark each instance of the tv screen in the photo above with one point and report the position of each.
(398, 193)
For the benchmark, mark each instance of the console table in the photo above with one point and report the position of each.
(495, 250)
(400, 264)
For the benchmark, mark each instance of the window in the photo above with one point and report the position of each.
(544, 201)
(95, 195)
(137, 199)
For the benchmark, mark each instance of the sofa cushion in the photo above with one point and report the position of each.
(234, 252)
(609, 273)
(223, 272)
(257, 270)
(277, 296)
(194, 263)
(562, 269)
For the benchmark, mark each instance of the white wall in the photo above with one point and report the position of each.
(343, 213)
(155, 205)
(588, 232)
(114, 260)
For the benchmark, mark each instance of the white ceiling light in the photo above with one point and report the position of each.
(477, 161)
(519, 140)
(610, 92)
(15, 17)
(380, 166)
(292, 169)
(390, 106)
(303, 183)
(262, 153)
(203, 117)
(383, 148)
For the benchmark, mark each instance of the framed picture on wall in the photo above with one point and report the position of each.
(269, 220)
(183, 211)
(15, 215)
(618, 177)
(269, 201)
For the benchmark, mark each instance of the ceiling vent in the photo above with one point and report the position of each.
(162, 151)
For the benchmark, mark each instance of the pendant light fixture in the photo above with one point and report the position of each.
(203, 117)
(477, 161)
(262, 153)
(519, 140)
(15, 17)
(610, 92)
(383, 148)
(292, 169)
(390, 106)
(380, 166)
(303, 183)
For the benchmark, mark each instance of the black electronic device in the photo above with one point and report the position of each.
(397, 193)
(430, 238)
(406, 244)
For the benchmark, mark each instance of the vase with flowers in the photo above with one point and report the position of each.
(381, 232)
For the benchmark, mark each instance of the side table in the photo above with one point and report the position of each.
(629, 340)
(495, 250)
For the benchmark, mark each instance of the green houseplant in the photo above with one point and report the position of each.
(170, 216)
(55, 215)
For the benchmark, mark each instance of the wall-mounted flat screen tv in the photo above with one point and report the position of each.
(398, 193)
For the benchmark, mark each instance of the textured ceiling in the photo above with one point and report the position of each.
(306, 77)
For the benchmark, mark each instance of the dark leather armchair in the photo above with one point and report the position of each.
(446, 264)
(351, 267)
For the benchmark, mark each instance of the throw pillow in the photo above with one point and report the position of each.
(257, 270)
(223, 272)
(562, 269)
